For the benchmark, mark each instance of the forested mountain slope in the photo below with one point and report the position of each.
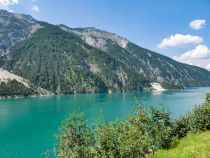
(153, 66)
(62, 62)
(62, 59)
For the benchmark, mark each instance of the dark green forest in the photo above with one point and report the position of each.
(14, 88)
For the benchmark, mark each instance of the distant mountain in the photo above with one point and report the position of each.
(66, 60)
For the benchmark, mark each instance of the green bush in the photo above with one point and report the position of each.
(195, 121)
(181, 127)
(199, 119)
(142, 132)
(160, 127)
(76, 138)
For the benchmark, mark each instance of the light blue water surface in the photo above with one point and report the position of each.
(27, 125)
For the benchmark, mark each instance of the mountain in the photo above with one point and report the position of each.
(62, 61)
(81, 60)
(153, 66)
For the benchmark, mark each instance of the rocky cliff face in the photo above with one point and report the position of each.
(15, 27)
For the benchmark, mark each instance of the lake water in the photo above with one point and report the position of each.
(27, 125)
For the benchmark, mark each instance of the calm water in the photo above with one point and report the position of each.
(27, 125)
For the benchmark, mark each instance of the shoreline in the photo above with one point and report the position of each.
(22, 96)
(156, 89)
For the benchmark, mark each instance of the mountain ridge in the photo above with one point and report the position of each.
(87, 33)
(81, 60)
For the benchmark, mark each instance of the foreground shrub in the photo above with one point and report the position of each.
(195, 121)
(160, 127)
(181, 127)
(199, 119)
(142, 132)
(75, 138)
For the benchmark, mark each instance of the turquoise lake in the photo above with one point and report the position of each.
(27, 125)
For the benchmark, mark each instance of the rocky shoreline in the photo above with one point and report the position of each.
(22, 96)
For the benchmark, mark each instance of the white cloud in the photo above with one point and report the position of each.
(179, 40)
(35, 8)
(197, 24)
(208, 67)
(199, 56)
(200, 51)
(4, 4)
(11, 11)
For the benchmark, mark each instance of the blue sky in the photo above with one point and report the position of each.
(144, 22)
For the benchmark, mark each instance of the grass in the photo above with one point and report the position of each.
(193, 146)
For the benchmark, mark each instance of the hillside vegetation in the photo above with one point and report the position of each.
(14, 88)
(54, 59)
